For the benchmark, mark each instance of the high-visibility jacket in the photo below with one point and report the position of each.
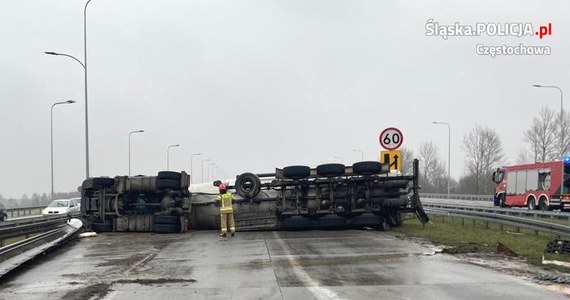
(226, 203)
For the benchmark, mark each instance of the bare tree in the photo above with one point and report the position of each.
(431, 168)
(483, 152)
(407, 160)
(544, 136)
(524, 157)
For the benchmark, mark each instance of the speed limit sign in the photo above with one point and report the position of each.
(391, 138)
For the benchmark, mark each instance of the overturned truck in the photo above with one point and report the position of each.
(329, 196)
(140, 203)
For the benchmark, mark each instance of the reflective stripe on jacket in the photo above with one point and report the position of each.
(226, 203)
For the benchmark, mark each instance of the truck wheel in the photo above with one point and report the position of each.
(296, 223)
(530, 204)
(367, 220)
(162, 184)
(332, 222)
(501, 200)
(248, 185)
(296, 172)
(330, 170)
(166, 228)
(169, 175)
(98, 183)
(543, 205)
(367, 168)
(3, 217)
(166, 219)
(396, 219)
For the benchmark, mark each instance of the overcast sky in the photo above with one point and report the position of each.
(255, 85)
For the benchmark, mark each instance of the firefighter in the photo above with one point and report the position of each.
(225, 200)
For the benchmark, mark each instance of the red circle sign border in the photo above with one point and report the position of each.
(398, 145)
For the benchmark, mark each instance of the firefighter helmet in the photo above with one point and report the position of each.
(222, 187)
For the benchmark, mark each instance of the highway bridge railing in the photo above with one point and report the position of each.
(24, 211)
(471, 197)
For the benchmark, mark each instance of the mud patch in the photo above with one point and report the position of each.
(100, 289)
(94, 291)
(467, 248)
(145, 281)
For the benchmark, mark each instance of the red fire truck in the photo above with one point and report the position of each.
(536, 186)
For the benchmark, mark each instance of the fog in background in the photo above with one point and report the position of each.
(255, 85)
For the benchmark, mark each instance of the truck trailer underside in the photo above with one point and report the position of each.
(331, 196)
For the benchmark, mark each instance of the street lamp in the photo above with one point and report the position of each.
(168, 156)
(130, 133)
(562, 146)
(210, 164)
(191, 169)
(448, 155)
(51, 139)
(204, 160)
(341, 160)
(561, 114)
(361, 153)
(84, 65)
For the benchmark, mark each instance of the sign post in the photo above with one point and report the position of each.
(391, 139)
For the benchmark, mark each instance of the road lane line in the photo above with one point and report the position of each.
(313, 286)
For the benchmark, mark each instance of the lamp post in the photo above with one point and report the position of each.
(210, 164)
(191, 169)
(202, 177)
(84, 65)
(562, 146)
(361, 153)
(448, 155)
(168, 156)
(51, 139)
(130, 133)
(340, 158)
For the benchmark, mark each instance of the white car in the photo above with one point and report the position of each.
(62, 207)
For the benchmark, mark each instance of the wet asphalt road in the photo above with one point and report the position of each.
(347, 264)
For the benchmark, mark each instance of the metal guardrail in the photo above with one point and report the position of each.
(471, 197)
(505, 211)
(28, 227)
(16, 254)
(24, 211)
(502, 219)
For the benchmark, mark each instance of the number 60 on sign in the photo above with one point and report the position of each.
(391, 138)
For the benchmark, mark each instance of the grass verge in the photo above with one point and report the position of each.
(479, 236)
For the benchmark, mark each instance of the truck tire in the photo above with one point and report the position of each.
(332, 222)
(330, 170)
(98, 183)
(166, 228)
(296, 172)
(166, 219)
(543, 205)
(367, 168)
(162, 184)
(367, 220)
(169, 175)
(102, 227)
(530, 204)
(501, 199)
(296, 223)
(395, 219)
(247, 185)
(3, 217)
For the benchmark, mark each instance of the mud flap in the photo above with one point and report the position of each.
(416, 203)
